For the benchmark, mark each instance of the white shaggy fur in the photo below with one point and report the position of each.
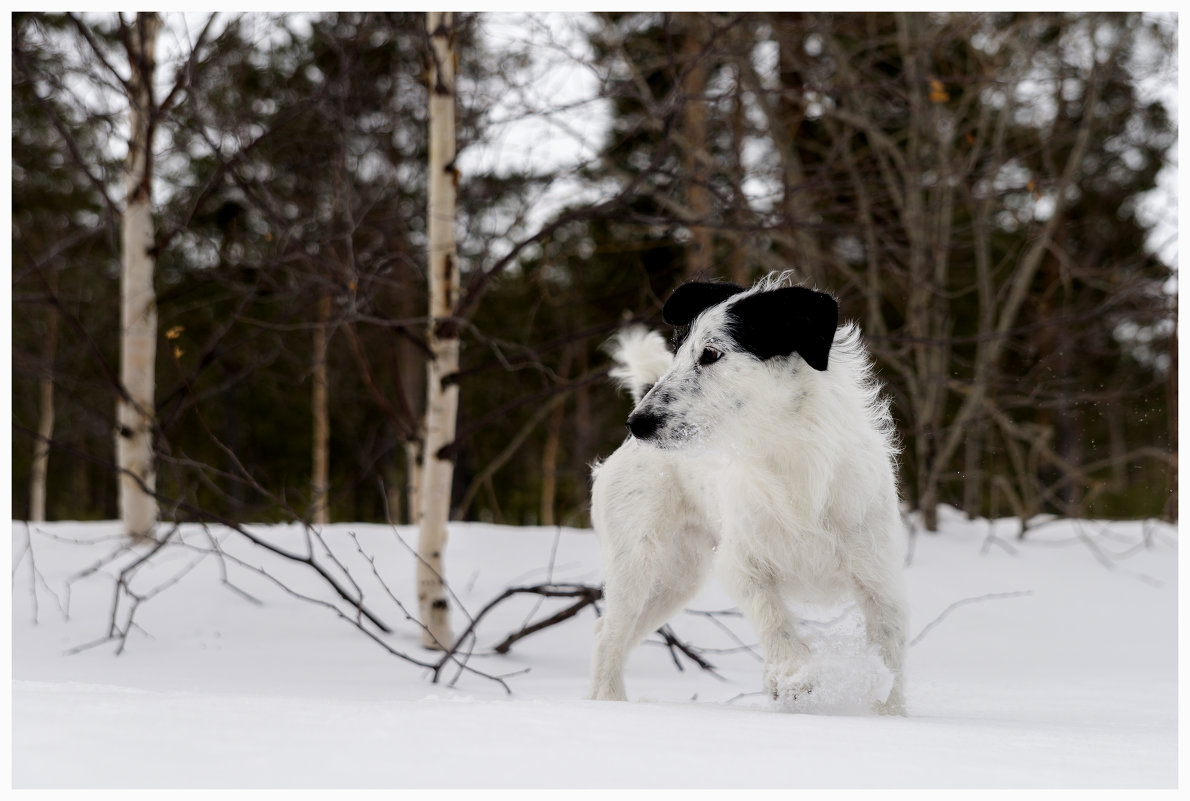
(641, 358)
(778, 475)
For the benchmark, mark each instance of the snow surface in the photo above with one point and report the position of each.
(1045, 663)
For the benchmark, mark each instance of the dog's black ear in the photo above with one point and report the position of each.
(786, 320)
(690, 300)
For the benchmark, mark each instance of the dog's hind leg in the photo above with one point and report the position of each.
(647, 587)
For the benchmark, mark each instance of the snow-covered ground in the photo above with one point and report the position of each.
(1045, 663)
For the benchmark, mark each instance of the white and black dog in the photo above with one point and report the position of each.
(761, 445)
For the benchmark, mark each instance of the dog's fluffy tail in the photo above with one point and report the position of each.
(641, 358)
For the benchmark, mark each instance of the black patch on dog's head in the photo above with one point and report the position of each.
(692, 299)
(681, 333)
(784, 321)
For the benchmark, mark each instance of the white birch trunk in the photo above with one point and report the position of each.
(442, 400)
(45, 416)
(413, 460)
(41, 452)
(320, 473)
(45, 412)
(138, 302)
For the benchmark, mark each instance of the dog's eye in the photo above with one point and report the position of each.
(709, 356)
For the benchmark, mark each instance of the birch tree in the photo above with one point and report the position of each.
(138, 302)
(45, 419)
(442, 397)
(320, 473)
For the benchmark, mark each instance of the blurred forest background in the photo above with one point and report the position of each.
(976, 189)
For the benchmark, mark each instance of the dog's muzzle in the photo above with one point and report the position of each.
(643, 425)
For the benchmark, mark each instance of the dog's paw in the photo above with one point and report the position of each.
(894, 704)
(792, 693)
(786, 684)
(886, 708)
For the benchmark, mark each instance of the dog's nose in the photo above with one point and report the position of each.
(642, 425)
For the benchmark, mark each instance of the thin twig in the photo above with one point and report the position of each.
(963, 602)
(675, 646)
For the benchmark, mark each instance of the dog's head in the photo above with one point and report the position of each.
(737, 353)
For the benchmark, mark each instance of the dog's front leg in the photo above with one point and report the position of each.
(786, 656)
(883, 605)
